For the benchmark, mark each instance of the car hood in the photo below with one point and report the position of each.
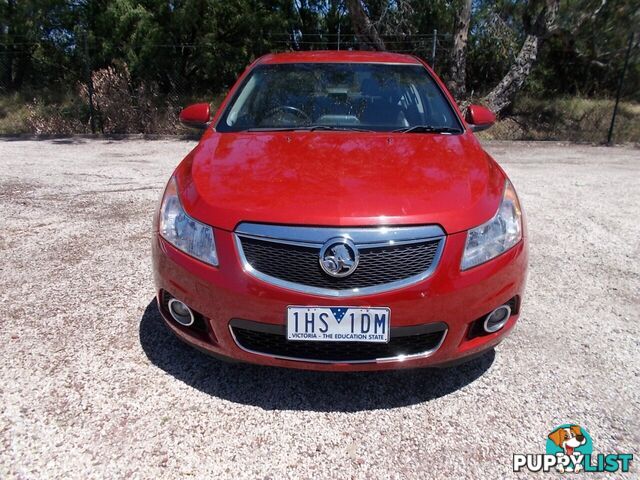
(340, 179)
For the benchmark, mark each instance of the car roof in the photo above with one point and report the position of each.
(338, 56)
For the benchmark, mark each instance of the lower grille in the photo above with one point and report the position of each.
(271, 340)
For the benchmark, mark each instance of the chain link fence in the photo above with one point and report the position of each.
(98, 96)
(94, 94)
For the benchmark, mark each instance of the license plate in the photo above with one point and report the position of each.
(338, 324)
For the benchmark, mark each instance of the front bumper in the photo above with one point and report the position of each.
(226, 293)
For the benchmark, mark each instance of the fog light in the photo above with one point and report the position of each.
(181, 313)
(497, 319)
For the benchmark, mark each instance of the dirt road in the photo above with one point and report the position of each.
(93, 386)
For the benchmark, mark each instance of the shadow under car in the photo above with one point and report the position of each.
(286, 389)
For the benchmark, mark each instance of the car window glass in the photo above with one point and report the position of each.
(380, 97)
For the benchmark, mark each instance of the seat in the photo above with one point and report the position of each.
(377, 108)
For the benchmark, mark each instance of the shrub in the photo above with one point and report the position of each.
(122, 107)
(119, 107)
(67, 117)
(14, 113)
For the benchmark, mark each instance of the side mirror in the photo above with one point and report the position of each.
(479, 118)
(196, 115)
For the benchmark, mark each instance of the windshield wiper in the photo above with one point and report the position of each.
(427, 129)
(306, 128)
(336, 127)
(271, 129)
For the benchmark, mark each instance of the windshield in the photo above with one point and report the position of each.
(359, 96)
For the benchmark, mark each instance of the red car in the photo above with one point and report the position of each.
(339, 214)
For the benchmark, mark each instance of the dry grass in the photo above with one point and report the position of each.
(571, 119)
(14, 114)
(123, 109)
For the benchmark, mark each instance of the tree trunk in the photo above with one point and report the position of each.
(362, 26)
(502, 94)
(8, 47)
(458, 72)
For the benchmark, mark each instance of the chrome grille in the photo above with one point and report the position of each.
(389, 258)
(377, 266)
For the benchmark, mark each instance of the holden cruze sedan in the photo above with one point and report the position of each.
(339, 214)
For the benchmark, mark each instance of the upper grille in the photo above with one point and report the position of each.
(377, 266)
(389, 257)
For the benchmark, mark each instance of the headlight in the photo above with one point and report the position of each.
(496, 236)
(182, 231)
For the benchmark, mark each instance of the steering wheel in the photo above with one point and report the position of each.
(289, 109)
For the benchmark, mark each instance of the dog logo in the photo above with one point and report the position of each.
(567, 440)
(570, 449)
(339, 257)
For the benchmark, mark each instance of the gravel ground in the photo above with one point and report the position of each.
(93, 386)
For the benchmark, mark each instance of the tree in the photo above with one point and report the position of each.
(194, 49)
(539, 20)
(458, 71)
(537, 29)
(364, 28)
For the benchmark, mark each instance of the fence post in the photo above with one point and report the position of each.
(433, 48)
(624, 70)
(92, 118)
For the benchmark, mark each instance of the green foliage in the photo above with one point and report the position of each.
(189, 44)
(196, 48)
(202, 45)
(495, 37)
(587, 60)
